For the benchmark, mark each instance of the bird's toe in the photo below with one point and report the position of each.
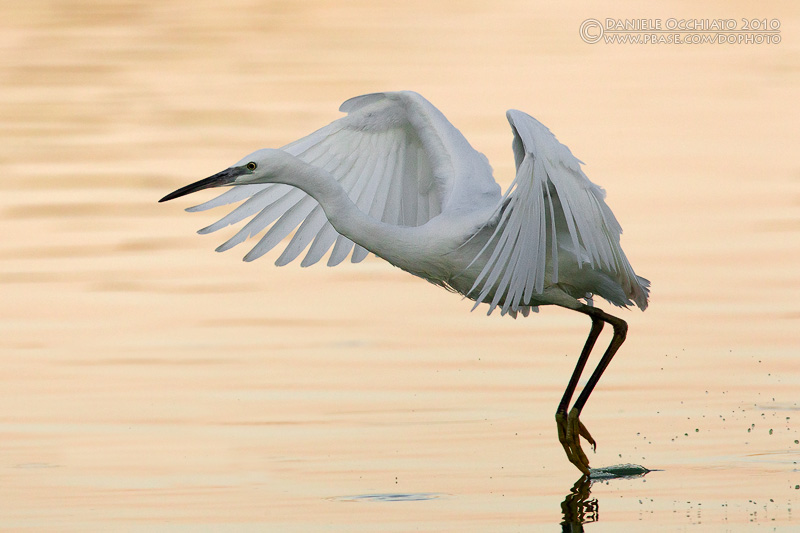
(569, 437)
(576, 430)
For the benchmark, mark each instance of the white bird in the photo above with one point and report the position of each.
(394, 177)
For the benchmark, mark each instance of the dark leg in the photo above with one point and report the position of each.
(620, 332)
(574, 454)
(597, 327)
(569, 433)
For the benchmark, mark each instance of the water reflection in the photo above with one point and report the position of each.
(578, 508)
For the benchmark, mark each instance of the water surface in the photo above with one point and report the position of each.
(149, 383)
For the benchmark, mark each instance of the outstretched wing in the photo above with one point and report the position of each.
(399, 159)
(550, 201)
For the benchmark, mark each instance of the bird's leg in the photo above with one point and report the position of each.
(575, 427)
(620, 332)
(566, 436)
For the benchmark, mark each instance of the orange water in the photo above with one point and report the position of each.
(149, 383)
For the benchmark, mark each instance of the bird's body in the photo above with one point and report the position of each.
(395, 178)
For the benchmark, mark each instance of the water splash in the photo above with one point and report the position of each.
(389, 497)
(627, 470)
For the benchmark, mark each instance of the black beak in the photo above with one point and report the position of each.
(225, 177)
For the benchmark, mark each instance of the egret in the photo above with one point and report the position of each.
(394, 177)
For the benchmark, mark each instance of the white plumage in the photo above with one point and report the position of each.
(378, 155)
(395, 178)
(551, 201)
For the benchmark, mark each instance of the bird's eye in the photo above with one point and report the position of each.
(251, 166)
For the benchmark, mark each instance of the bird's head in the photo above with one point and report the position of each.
(262, 166)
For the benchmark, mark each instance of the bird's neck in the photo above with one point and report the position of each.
(396, 244)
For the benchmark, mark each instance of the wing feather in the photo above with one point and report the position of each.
(341, 248)
(232, 195)
(395, 154)
(249, 207)
(322, 243)
(311, 225)
(551, 206)
(284, 225)
(269, 214)
(304, 235)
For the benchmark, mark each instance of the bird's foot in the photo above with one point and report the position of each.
(570, 430)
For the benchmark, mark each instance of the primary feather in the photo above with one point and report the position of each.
(395, 154)
(551, 206)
